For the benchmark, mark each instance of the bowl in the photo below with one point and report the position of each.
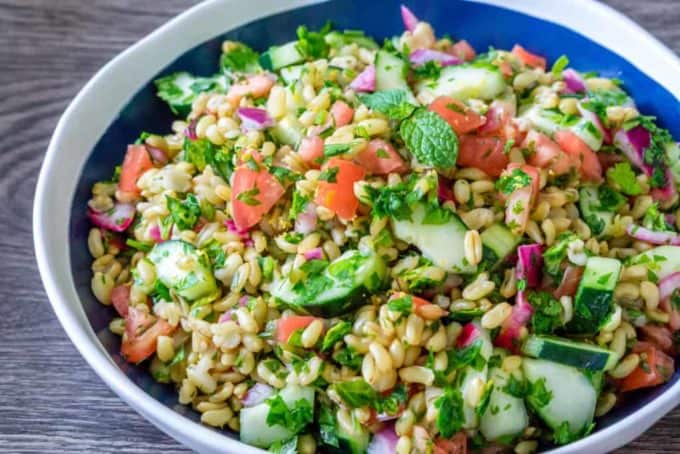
(119, 102)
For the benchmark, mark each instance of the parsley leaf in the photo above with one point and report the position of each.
(429, 70)
(391, 103)
(517, 388)
(335, 334)
(330, 175)
(517, 179)
(451, 417)
(312, 45)
(240, 58)
(356, 393)
(285, 447)
(249, 196)
(202, 152)
(559, 65)
(403, 304)
(327, 426)
(555, 254)
(298, 205)
(180, 89)
(609, 199)
(655, 219)
(430, 139)
(547, 316)
(184, 214)
(348, 357)
(623, 176)
(293, 418)
(539, 396)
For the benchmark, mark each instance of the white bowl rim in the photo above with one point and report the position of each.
(70, 146)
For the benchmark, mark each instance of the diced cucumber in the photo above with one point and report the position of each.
(599, 221)
(545, 121)
(594, 296)
(472, 376)
(355, 441)
(339, 39)
(278, 57)
(571, 353)
(291, 74)
(287, 131)
(441, 243)
(506, 415)
(390, 74)
(673, 158)
(588, 132)
(572, 399)
(661, 261)
(463, 82)
(254, 428)
(466, 315)
(192, 280)
(344, 284)
(498, 242)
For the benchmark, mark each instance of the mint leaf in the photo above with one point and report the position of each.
(391, 103)
(430, 139)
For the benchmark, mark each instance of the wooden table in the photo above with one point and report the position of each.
(50, 400)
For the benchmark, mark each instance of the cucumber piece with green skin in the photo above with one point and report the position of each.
(182, 267)
(278, 57)
(549, 122)
(463, 82)
(572, 395)
(498, 242)
(506, 415)
(472, 376)
(599, 221)
(390, 74)
(344, 284)
(287, 131)
(545, 121)
(673, 158)
(354, 441)
(662, 261)
(571, 353)
(254, 429)
(441, 243)
(594, 297)
(291, 74)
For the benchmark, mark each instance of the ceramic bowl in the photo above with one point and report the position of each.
(119, 102)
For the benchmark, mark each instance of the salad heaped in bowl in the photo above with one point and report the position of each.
(347, 246)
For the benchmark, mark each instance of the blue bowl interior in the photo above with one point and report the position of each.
(482, 25)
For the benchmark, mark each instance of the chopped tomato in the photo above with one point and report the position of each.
(120, 298)
(674, 322)
(589, 165)
(528, 58)
(141, 332)
(655, 368)
(463, 50)
(484, 153)
(342, 113)
(380, 158)
(253, 194)
(506, 69)
(518, 204)
(311, 150)
(455, 445)
(256, 86)
(498, 120)
(339, 196)
(136, 162)
(288, 325)
(547, 154)
(461, 118)
(570, 280)
(660, 336)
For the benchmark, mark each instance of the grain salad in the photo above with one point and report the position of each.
(406, 247)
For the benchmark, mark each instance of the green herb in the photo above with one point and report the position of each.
(599, 100)
(392, 403)
(180, 89)
(216, 254)
(293, 418)
(429, 70)
(517, 388)
(539, 396)
(240, 58)
(348, 357)
(336, 149)
(356, 393)
(451, 417)
(248, 196)
(430, 139)
(160, 291)
(392, 103)
(180, 356)
(184, 214)
(655, 153)
(314, 266)
(555, 254)
(470, 355)
(142, 137)
(623, 176)
(655, 219)
(201, 152)
(139, 245)
(284, 175)
(293, 237)
(361, 131)
(312, 45)
(517, 179)
(330, 175)
(298, 205)
(403, 304)
(327, 426)
(335, 335)
(559, 66)
(547, 316)
(609, 199)
(382, 154)
(285, 447)
(508, 146)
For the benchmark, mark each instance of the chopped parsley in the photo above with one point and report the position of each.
(403, 304)
(330, 175)
(184, 213)
(249, 196)
(451, 417)
(294, 418)
(547, 316)
(335, 335)
(312, 45)
(559, 66)
(539, 396)
(517, 179)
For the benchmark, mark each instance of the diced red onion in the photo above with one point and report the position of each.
(155, 234)
(529, 264)
(670, 218)
(512, 326)
(668, 285)
(243, 301)
(254, 118)
(190, 131)
(306, 221)
(468, 335)
(595, 120)
(666, 192)
(410, 20)
(574, 81)
(384, 442)
(231, 226)
(444, 191)
(651, 236)
(314, 254)
(633, 143)
(365, 81)
(227, 316)
(257, 394)
(117, 219)
(421, 56)
(159, 156)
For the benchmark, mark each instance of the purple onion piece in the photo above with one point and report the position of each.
(117, 219)
(574, 81)
(410, 20)
(365, 81)
(257, 394)
(421, 56)
(254, 119)
(529, 264)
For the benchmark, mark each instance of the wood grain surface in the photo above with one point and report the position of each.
(50, 400)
